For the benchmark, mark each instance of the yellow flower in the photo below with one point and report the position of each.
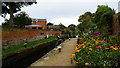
(111, 46)
(90, 48)
(80, 45)
(106, 48)
(115, 48)
(102, 41)
(76, 62)
(80, 38)
(87, 64)
(77, 50)
(84, 46)
(73, 55)
(97, 42)
(84, 43)
(88, 42)
(80, 58)
(93, 39)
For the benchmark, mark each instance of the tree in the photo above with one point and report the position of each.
(62, 26)
(21, 19)
(80, 27)
(66, 32)
(72, 29)
(49, 23)
(86, 16)
(6, 23)
(13, 7)
(86, 21)
(103, 18)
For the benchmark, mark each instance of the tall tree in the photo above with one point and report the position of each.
(13, 7)
(21, 19)
(86, 21)
(103, 18)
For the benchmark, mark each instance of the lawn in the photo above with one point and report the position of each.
(29, 44)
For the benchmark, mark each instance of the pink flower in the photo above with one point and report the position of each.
(99, 47)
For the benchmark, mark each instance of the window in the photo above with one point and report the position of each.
(33, 20)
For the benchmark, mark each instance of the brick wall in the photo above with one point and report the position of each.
(53, 33)
(17, 36)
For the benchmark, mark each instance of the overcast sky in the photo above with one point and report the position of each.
(64, 11)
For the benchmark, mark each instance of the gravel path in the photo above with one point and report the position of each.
(60, 58)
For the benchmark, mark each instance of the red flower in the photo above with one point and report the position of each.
(99, 47)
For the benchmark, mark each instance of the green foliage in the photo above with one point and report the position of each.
(72, 29)
(86, 22)
(6, 23)
(68, 31)
(100, 21)
(103, 18)
(13, 7)
(62, 28)
(21, 19)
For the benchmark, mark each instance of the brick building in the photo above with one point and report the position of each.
(42, 25)
(42, 22)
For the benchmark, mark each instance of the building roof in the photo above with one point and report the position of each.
(53, 26)
(39, 20)
(33, 26)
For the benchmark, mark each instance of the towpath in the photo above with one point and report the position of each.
(60, 58)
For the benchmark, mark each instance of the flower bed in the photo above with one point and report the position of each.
(97, 50)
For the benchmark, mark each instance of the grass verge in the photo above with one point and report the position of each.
(29, 44)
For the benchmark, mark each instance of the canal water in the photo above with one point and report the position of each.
(26, 58)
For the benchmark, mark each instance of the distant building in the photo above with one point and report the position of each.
(119, 6)
(53, 27)
(41, 22)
